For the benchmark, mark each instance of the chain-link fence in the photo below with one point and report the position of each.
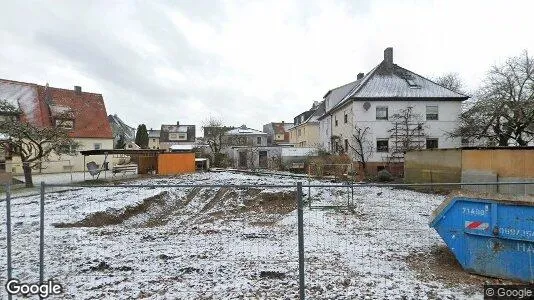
(162, 240)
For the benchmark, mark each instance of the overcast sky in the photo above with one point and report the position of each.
(246, 62)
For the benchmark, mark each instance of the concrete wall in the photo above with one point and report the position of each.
(253, 156)
(434, 165)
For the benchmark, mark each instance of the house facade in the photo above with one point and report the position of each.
(244, 136)
(305, 131)
(83, 114)
(247, 147)
(153, 138)
(277, 133)
(176, 135)
(387, 111)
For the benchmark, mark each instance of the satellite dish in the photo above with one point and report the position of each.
(367, 105)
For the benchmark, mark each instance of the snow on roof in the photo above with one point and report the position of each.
(153, 133)
(402, 83)
(244, 131)
(398, 83)
(23, 96)
(59, 110)
(181, 147)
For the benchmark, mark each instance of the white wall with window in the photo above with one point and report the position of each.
(439, 117)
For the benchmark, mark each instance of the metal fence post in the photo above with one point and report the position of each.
(8, 231)
(41, 234)
(300, 221)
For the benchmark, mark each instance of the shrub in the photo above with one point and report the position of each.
(384, 176)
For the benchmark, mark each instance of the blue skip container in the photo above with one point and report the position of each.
(489, 237)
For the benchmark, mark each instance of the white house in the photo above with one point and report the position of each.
(369, 104)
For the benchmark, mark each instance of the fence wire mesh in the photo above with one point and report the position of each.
(156, 239)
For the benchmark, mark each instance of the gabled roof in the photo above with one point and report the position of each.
(166, 129)
(243, 130)
(319, 110)
(118, 127)
(391, 82)
(339, 93)
(398, 82)
(153, 133)
(40, 104)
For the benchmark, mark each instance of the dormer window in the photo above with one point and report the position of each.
(63, 116)
(65, 123)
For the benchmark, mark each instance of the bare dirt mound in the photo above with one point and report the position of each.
(273, 202)
(440, 264)
(155, 208)
(258, 207)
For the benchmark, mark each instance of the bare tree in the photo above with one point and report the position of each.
(31, 143)
(361, 145)
(214, 132)
(452, 81)
(407, 132)
(503, 113)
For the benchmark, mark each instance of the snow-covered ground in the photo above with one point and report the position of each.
(231, 243)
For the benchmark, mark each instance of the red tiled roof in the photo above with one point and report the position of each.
(88, 109)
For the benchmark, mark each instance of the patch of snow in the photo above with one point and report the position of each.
(216, 244)
(22, 96)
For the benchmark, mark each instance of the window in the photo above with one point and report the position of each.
(346, 145)
(336, 122)
(431, 112)
(97, 146)
(431, 143)
(345, 118)
(66, 124)
(258, 140)
(154, 140)
(177, 136)
(382, 145)
(381, 112)
(299, 133)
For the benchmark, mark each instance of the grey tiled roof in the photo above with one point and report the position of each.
(383, 83)
(395, 83)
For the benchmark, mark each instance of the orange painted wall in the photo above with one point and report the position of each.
(176, 163)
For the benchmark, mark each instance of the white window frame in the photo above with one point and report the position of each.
(431, 113)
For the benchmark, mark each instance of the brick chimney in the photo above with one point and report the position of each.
(360, 76)
(177, 123)
(77, 90)
(388, 57)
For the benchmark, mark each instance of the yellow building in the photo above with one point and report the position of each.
(305, 132)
